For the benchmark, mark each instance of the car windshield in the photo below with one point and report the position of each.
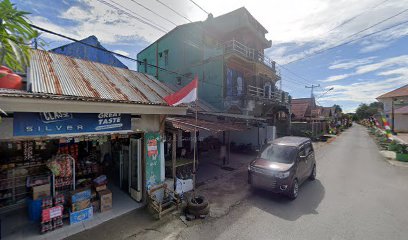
(279, 153)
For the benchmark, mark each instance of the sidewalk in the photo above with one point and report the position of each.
(224, 189)
(210, 167)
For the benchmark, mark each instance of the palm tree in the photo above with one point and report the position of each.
(15, 34)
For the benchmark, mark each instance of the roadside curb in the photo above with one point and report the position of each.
(397, 163)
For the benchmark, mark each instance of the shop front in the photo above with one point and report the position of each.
(78, 146)
(76, 166)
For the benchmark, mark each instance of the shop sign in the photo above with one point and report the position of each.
(153, 168)
(50, 213)
(48, 123)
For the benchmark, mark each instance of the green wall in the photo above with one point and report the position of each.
(189, 52)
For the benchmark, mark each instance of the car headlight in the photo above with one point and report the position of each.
(282, 174)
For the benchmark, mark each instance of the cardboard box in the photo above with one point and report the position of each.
(100, 187)
(80, 216)
(81, 205)
(105, 197)
(50, 213)
(80, 195)
(41, 191)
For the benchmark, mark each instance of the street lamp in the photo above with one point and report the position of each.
(330, 89)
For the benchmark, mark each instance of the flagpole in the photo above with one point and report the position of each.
(195, 148)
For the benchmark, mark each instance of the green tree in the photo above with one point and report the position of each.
(367, 110)
(337, 108)
(15, 34)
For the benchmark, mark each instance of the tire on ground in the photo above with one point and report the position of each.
(200, 203)
(200, 212)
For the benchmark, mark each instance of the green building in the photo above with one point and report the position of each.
(227, 54)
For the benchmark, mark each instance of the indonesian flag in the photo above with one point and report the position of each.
(187, 94)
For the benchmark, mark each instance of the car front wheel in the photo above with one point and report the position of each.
(313, 173)
(294, 190)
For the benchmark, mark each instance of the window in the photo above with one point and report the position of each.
(308, 148)
(145, 65)
(278, 153)
(267, 90)
(166, 58)
(235, 83)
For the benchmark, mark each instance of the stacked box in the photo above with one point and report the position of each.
(105, 198)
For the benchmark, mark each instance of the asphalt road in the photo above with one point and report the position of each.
(357, 195)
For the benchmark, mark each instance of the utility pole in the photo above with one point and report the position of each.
(312, 87)
(312, 105)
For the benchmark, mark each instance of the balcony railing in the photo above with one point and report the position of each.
(275, 95)
(234, 46)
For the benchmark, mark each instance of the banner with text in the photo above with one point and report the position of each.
(56, 123)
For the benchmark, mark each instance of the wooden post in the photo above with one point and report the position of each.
(173, 158)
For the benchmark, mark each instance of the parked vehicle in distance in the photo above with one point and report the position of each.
(283, 165)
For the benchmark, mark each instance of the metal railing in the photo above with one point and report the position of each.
(275, 95)
(234, 46)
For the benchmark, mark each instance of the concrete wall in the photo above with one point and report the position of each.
(251, 136)
(401, 123)
(147, 123)
(388, 103)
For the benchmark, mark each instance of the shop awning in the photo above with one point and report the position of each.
(188, 124)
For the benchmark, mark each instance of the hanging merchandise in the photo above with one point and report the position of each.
(60, 166)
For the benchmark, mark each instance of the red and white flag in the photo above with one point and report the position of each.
(187, 94)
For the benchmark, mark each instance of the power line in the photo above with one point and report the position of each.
(358, 15)
(293, 73)
(354, 34)
(132, 16)
(199, 7)
(117, 54)
(167, 6)
(138, 15)
(148, 9)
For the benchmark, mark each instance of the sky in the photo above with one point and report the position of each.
(304, 37)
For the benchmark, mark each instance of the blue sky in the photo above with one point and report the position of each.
(358, 72)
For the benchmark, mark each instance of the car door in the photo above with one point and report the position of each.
(309, 161)
(301, 164)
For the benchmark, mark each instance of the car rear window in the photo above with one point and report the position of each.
(279, 153)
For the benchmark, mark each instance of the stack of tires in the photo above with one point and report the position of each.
(197, 207)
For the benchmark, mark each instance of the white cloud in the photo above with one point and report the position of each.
(348, 64)
(374, 47)
(361, 68)
(391, 73)
(389, 62)
(122, 52)
(336, 78)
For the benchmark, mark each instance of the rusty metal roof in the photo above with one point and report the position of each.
(188, 124)
(55, 74)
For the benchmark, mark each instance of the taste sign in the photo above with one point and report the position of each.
(51, 123)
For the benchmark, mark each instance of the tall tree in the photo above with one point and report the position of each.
(15, 35)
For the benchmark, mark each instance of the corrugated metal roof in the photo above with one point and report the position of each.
(56, 74)
(188, 124)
